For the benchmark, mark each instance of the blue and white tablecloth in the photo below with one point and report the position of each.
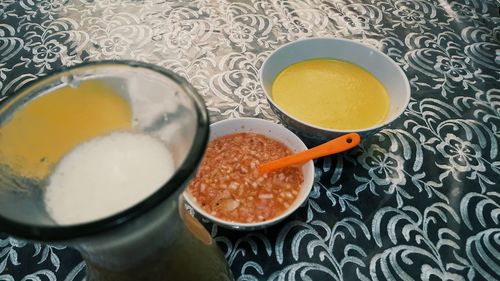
(419, 200)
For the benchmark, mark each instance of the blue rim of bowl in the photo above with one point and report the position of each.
(391, 61)
(255, 225)
(177, 181)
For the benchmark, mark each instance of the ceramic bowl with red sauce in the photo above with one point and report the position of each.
(228, 188)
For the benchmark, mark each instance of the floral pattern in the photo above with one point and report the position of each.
(48, 53)
(385, 168)
(462, 155)
(416, 201)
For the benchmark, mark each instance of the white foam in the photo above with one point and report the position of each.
(106, 175)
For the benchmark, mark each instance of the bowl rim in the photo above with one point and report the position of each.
(391, 62)
(258, 225)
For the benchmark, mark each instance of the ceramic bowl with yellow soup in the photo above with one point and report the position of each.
(325, 87)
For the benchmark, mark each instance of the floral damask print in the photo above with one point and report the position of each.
(240, 33)
(236, 86)
(49, 52)
(454, 68)
(51, 6)
(468, 148)
(415, 15)
(117, 36)
(482, 252)
(249, 92)
(182, 40)
(464, 12)
(299, 19)
(409, 16)
(8, 253)
(10, 43)
(114, 45)
(11, 46)
(481, 213)
(416, 201)
(43, 9)
(385, 168)
(463, 155)
(415, 240)
(482, 44)
(246, 29)
(53, 42)
(451, 70)
(183, 32)
(396, 170)
(322, 240)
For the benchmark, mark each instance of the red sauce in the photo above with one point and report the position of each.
(229, 186)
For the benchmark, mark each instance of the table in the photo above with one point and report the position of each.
(419, 199)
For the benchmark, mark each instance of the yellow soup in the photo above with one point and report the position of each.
(331, 94)
(42, 131)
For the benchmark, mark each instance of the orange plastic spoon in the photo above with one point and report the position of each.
(336, 145)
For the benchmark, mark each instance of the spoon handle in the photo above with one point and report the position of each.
(336, 145)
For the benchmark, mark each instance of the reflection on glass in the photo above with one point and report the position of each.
(95, 158)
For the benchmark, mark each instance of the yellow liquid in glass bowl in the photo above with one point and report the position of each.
(41, 132)
(331, 94)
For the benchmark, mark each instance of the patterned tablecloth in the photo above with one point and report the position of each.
(417, 200)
